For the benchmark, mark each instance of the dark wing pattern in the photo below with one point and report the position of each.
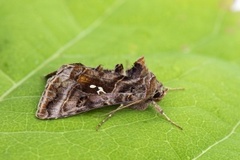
(75, 88)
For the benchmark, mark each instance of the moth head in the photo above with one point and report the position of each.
(160, 92)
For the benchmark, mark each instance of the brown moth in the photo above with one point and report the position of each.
(75, 88)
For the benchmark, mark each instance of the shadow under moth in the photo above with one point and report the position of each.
(75, 88)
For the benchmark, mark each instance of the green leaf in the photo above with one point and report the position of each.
(190, 44)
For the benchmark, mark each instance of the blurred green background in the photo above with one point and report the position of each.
(190, 44)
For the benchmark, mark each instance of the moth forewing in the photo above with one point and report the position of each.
(75, 88)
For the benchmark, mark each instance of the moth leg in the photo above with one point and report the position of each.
(110, 114)
(105, 119)
(160, 110)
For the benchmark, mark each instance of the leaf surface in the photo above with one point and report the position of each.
(190, 44)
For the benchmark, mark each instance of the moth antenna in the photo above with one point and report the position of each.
(174, 89)
(110, 114)
(160, 110)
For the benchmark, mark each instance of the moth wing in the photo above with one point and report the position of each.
(49, 75)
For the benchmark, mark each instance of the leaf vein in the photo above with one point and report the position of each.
(8, 77)
(218, 142)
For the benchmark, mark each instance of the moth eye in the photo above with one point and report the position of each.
(157, 95)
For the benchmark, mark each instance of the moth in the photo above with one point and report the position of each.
(75, 88)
